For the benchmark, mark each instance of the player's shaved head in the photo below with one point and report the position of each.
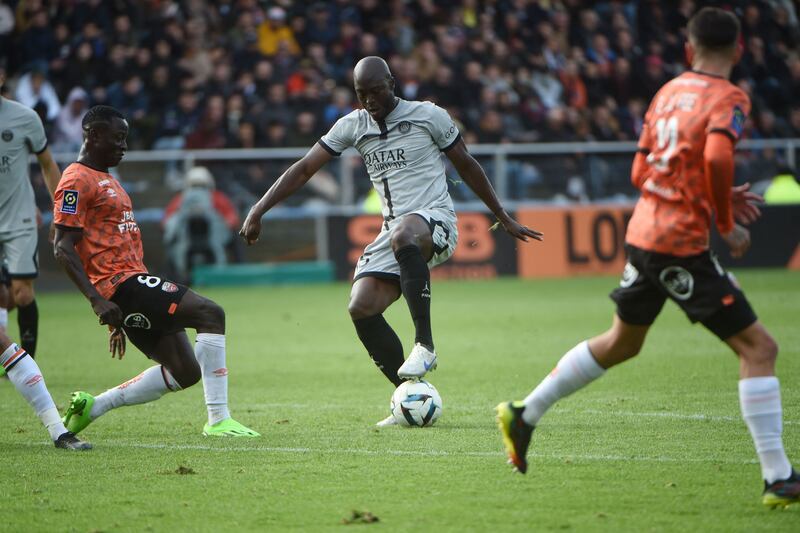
(374, 86)
(371, 69)
(714, 30)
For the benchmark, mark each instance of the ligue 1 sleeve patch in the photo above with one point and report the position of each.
(69, 204)
(737, 121)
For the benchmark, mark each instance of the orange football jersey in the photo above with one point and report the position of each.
(673, 215)
(95, 202)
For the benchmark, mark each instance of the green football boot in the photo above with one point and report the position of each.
(77, 416)
(516, 433)
(229, 428)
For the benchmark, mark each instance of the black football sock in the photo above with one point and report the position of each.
(28, 322)
(415, 282)
(382, 344)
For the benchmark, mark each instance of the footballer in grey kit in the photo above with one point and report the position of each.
(401, 143)
(402, 154)
(21, 133)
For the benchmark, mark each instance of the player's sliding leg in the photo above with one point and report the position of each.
(760, 402)
(413, 246)
(27, 313)
(208, 319)
(24, 373)
(577, 368)
(369, 298)
(178, 370)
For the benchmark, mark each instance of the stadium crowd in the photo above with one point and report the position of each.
(241, 73)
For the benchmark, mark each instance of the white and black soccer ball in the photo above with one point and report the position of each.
(416, 404)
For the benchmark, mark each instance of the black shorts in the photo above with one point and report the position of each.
(698, 284)
(148, 306)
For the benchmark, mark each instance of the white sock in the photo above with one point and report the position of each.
(150, 385)
(760, 400)
(576, 369)
(3, 318)
(209, 349)
(24, 373)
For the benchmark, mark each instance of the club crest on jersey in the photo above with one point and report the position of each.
(69, 204)
(137, 320)
(7, 135)
(737, 122)
(169, 287)
(404, 127)
(678, 281)
(629, 276)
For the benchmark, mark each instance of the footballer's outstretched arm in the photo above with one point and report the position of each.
(64, 250)
(474, 176)
(290, 181)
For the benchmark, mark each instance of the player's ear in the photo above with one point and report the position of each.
(689, 51)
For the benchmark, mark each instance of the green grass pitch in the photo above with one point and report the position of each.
(655, 445)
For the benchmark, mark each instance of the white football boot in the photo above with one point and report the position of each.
(418, 363)
(386, 422)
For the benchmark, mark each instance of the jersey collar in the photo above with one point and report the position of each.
(700, 72)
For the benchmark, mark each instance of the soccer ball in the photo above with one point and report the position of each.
(416, 404)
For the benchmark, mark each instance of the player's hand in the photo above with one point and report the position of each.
(251, 228)
(745, 204)
(517, 230)
(738, 239)
(108, 312)
(116, 342)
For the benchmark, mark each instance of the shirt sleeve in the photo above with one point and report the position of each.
(442, 128)
(73, 198)
(729, 114)
(341, 136)
(34, 134)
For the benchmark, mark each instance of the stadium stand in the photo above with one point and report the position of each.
(198, 74)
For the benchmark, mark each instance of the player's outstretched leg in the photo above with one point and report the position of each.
(577, 368)
(412, 244)
(24, 373)
(148, 386)
(760, 402)
(177, 370)
(208, 319)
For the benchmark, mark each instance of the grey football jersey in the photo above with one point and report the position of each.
(402, 154)
(21, 133)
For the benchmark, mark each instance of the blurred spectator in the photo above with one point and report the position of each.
(304, 131)
(210, 130)
(198, 224)
(36, 42)
(34, 91)
(274, 34)
(340, 106)
(68, 134)
(6, 28)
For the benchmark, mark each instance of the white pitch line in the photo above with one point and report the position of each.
(657, 414)
(415, 453)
